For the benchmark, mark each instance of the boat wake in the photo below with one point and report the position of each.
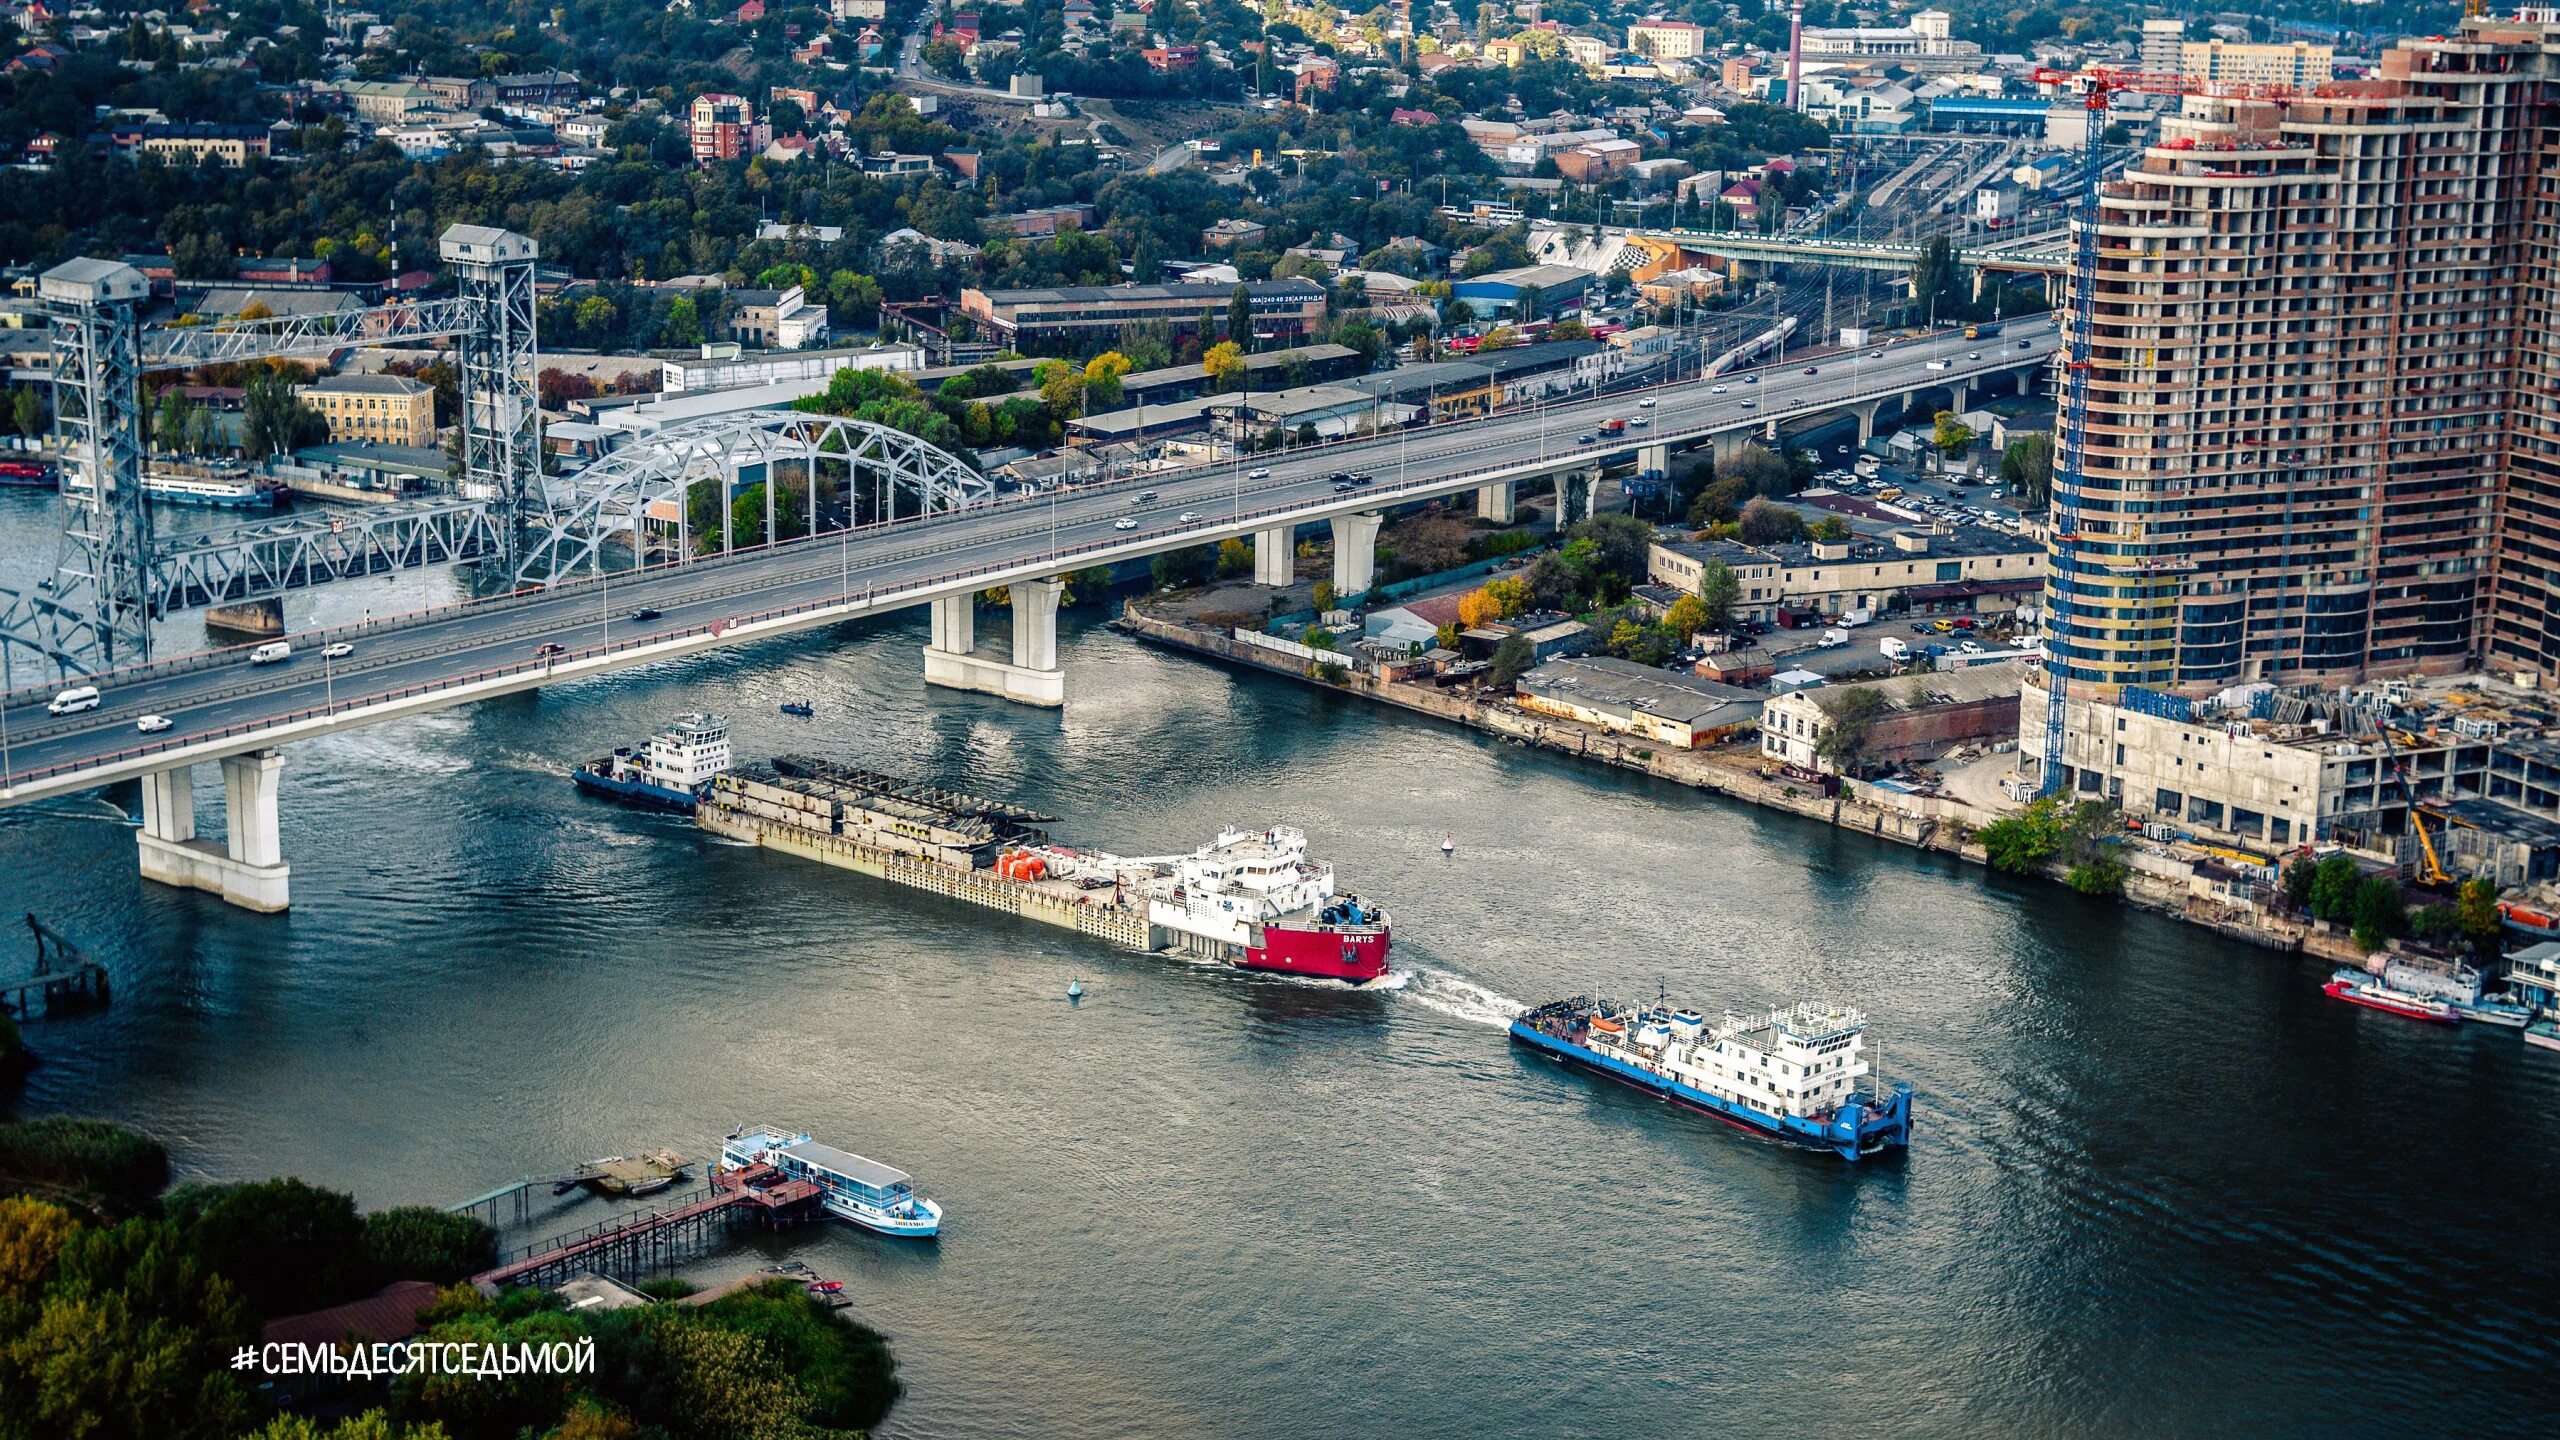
(1462, 999)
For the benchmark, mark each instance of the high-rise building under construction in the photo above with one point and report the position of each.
(2323, 421)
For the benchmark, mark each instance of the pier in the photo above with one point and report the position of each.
(657, 1240)
(63, 978)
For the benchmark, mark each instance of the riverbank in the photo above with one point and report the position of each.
(2159, 880)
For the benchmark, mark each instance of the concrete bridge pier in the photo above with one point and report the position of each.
(1494, 502)
(1275, 556)
(1355, 554)
(1867, 415)
(1729, 445)
(1031, 677)
(1654, 458)
(1960, 392)
(248, 868)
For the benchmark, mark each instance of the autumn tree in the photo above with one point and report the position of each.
(1224, 364)
(1102, 379)
(1686, 617)
(1477, 608)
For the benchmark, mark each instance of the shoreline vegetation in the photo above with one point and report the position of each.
(122, 1299)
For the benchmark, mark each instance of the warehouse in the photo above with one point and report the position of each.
(1528, 293)
(1680, 711)
(1087, 316)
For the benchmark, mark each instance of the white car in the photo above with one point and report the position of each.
(1124, 523)
(1645, 404)
(1875, 354)
(152, 724)
(1969, 647)
(1259, 475)
(338, 651)
(1189, 517)
(1718, 390)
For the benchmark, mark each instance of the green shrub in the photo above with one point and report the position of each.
(91, 1156)
(420, 1242)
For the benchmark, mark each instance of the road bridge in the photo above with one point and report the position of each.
(1896, 256)
(223, 708)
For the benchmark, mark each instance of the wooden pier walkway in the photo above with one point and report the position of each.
(655, 1240)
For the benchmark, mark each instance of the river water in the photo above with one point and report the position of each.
(2160, 1185)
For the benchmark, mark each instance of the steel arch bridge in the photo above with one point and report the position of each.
(639, 492)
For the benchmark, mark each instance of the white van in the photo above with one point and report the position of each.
(1835, 636)
(274, 652)
(74, 700)
(1894, 648)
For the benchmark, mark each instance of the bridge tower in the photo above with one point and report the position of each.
(100, 603)
(501, 413)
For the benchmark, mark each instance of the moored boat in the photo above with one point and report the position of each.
(2375, 996)
(2545, 1033)
(850, 1187)
(671, 770)
(1797, 1075)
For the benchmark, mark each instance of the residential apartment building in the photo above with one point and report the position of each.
(775, 319)
(1071, 315)
(385, 409)
(723, 127)
(2306, 331)
(1667, 39)
(2300, 65)
(230, 146)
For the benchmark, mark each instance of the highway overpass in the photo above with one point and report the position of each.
(224, 708)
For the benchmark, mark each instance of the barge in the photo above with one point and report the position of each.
(1799, 1076)
(1250, 898)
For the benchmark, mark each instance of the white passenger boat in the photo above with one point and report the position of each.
(851, 1187)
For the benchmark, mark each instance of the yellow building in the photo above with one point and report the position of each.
(2296, 66)
(386, 409)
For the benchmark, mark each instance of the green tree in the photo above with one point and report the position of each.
(1240, 316)
(420, 1242)
(1763, 470)
(2027, 467)
(2100, 874)
(289, 1246)
(1852, 714)
(2333, 887)
(1829, 528)
(26, 411)
(1952, 436)
(1765, 522)
(1235, 557)
(2020, 844)
(2377, 914)
(169, 421)
(1174, 569)
(1720, 591)
(683, 325)
(2297, 882)
(1937, 282)
(1325, 596)
(274, 421)
(2476, 918)
(1513, 658)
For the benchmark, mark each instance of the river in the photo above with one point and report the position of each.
(2159, 1185)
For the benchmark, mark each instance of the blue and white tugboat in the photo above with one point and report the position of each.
(1796, 1075)
(850, 1187)
(672, 770)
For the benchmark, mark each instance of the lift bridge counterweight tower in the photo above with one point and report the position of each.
(112, 576)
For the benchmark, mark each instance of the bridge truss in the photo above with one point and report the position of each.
(269, 557)
(111, 579)
(640, 493)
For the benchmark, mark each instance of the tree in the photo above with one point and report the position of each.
(1937, 283)
(2333, 887)
(2020, 844)
(1852, 714)
(1240, 316)
(2027, 467)
(1234, 558)
(420, 1242)
(287, 1245)
(1763, 470)
(1513, 658)
(1686, 617)
(1324, 596)
(1174, 569)
(1224, 364)
(2297, 882)
(1102, 379)
(274, 421)
(1510, 596)
(1720, 591)
(169, 422)
(1478, 608)
(2477, 919)
(1829, 528)
(2102, 874)
(1952, 436)
(26, 411)
(2377, 914)
(1765, 522)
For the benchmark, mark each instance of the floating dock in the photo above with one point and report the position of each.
(653, 1171)
(657, 1240)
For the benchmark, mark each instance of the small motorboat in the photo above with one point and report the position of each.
(798, 707)
(2544, 1033)
(825, 1287)
(1448, 844)
(1075, 989)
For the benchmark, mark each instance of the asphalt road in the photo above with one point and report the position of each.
(217, 703)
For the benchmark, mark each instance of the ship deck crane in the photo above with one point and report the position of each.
(2099, 83)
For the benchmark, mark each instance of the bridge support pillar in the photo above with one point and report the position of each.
(1031, 677)
(1494, 502)
(1729, 446)
(1867, 415)
(1355, 554)
(1275, 556)
(248, 869)
(1653, 459)
(1961, 393)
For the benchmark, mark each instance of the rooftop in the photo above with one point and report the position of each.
(1608, 683)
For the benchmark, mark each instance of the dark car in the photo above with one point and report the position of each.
(1343, 487)
(1813, 369)
(1586, 438)
(548, 649)
(1751, 378)
(646, 613)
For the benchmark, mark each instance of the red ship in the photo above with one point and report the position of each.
(2396, 1002)
(1254, 900)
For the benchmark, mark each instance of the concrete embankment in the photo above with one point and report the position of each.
(2169, 887)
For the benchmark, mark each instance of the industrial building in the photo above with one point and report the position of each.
(1922, 716)
(1664, 706)
(1072, 316)
(1530, 292)
(1967, 570)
